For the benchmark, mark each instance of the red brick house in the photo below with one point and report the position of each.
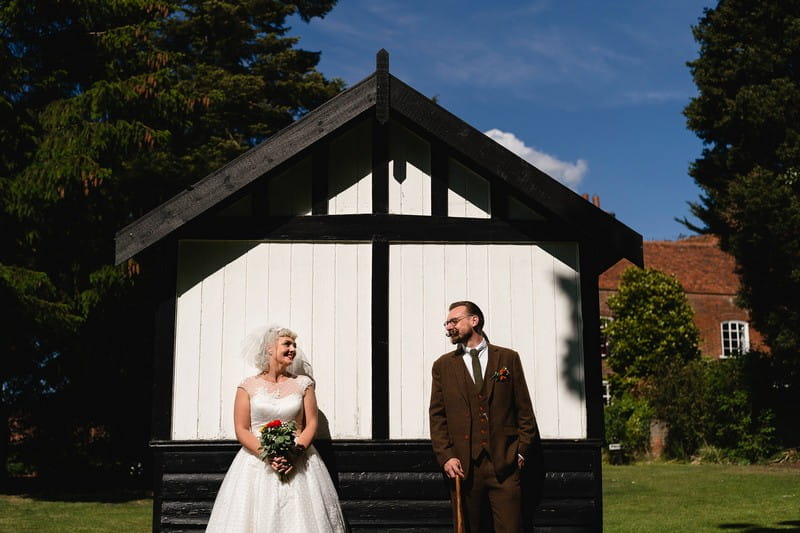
(708, 276)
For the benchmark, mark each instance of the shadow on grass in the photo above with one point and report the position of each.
(792, 526)
(77, 491)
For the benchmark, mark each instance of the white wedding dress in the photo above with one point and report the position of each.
(252, 497)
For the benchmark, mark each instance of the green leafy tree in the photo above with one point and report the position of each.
(652, 339)
(653, 327)
(108, 108)
(747, 114)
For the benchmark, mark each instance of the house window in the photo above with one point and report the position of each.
(735, 338)
(606, 392)
(604, 322)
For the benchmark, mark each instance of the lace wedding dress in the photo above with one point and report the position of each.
(252, 497)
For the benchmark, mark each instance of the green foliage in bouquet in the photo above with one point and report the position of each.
(277, 439)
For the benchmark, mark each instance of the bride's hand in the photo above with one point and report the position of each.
(281, 464)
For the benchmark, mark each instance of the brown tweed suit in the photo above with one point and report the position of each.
(456, 411)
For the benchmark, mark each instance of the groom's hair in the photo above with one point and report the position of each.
(472, 309)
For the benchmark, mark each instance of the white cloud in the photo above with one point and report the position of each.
(570, 174)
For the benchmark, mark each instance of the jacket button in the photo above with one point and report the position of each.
(483, 432)
(466, 437)
(480, 396)
(484, 443)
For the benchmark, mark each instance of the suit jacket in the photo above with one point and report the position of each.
(512, 425)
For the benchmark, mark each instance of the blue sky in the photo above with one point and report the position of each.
(590, 92)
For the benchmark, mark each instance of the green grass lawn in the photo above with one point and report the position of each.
(651, 497)
(682, 497)
(74, 514)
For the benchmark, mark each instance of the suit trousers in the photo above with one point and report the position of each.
(487, 499)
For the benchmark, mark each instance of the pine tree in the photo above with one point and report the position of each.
(108, 108)
(747, 113)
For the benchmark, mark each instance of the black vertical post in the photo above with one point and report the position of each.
(498, 200)
(380, 339)
(440, 177)
(163, 358)
(592, 363)
(380, 136)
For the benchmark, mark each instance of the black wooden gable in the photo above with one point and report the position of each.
(379, 98)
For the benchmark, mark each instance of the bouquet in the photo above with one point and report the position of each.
(277, 439)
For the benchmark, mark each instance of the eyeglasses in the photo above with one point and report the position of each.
(454, 321)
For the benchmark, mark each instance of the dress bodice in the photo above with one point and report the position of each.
(275, 401)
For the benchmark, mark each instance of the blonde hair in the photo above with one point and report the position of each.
(257, 343)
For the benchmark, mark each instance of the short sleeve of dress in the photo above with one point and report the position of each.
(248, 385)
(304, 382)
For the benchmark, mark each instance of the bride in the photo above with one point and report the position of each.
(252, 497)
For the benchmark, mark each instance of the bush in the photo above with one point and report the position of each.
(733, 419)
(627, 422)
(677, 399)
(711, 408)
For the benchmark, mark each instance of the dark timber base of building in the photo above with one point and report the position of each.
(386, 486)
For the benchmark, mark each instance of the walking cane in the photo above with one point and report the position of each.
(459, 517)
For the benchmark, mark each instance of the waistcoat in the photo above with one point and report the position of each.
(479, 412)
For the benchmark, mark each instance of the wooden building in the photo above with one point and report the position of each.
(356, 226)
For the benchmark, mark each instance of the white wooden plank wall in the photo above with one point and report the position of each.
(409, 172)
(226, 290)
(531, 298)
(350, 171)
(468, 193)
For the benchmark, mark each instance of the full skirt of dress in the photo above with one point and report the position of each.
(253, 498)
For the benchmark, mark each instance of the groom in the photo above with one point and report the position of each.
(482, 422)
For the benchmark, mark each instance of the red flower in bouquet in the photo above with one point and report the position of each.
(277, 439)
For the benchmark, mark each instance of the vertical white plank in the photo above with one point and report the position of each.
(546, 389)
(498, 310)
(187, 348)
(302, 296)
(434, 311)
(521, 299)
(341, 184)
(396, 329)
(468, 193)
(477, 189)
(409, 173)
(210, 356)
(411, 379)
(233, 332)
(280, 284)
(572, 407)
(397, 169)
(323, 332)
(346, 311)
(455, 271)
(256, 297)
(456, 191)
(350, 171)
(477, 276)
(364, 346)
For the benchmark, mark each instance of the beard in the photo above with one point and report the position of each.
(458, 338)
